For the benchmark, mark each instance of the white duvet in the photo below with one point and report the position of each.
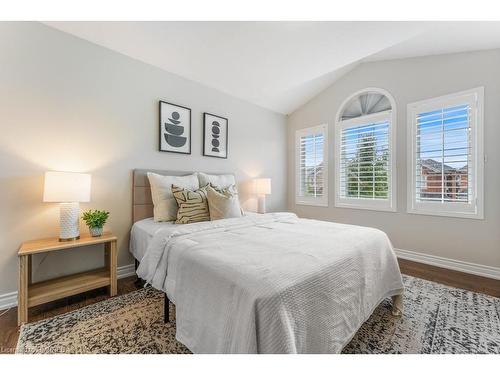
(271, 283)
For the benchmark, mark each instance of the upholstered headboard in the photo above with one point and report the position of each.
(142, 203)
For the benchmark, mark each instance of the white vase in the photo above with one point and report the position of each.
(95, 232)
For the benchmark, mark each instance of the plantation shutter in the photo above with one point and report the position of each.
(312, 166)
(446, 155)
(443, 170)
(365, 160)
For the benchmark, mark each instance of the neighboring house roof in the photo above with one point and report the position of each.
(435, 166)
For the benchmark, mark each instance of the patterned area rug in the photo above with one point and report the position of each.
(437, 319)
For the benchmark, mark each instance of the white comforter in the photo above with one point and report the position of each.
(271, 283)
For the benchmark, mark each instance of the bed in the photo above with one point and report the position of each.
(271, 283)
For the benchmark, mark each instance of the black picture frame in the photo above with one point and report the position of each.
(162, 132)
(206, 134)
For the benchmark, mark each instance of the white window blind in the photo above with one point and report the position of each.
(364, 164)
(443, 156)
(447, 161)
(312, 166)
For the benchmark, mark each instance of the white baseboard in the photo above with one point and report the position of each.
(452, 264)
(8, 300)
(125, 271)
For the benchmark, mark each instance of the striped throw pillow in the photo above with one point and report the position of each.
(193, 205)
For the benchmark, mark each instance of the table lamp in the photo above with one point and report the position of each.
(262, 187)
(68, 189)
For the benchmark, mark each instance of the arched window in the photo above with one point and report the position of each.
(365, 172)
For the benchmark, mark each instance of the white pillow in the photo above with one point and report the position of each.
(223, 204)
(165, 206)
(220, 181)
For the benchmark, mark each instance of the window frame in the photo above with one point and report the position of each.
(311, 201)
(475, 98)
(390, 204)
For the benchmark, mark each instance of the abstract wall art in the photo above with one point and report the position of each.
(215, 130)
(175, 128)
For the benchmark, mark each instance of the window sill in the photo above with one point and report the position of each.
(317, 204)
(458, 215)
(366, 206)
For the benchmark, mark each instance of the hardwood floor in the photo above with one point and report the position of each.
(452, 278)
(9, 331)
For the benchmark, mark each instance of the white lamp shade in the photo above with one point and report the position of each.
(66, 187)
(262, 186)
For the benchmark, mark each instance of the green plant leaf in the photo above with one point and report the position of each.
(95, 218)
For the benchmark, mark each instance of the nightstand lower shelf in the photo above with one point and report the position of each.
(34, 294)
(50, 290)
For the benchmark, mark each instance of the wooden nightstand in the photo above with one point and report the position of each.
(33, 294)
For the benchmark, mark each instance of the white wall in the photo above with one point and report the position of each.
(67, 104)
(409, 80)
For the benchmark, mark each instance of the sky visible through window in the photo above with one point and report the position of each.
(443, 136)
(313, 150)
(443, 154)
(352, 137)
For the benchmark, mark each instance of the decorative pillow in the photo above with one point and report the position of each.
(165, 206)
(223, 204)
(219, 181)
(230, 189)
(193, 205)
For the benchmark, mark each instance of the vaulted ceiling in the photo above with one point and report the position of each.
(278, 65)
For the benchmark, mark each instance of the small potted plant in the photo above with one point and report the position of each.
(95, 220)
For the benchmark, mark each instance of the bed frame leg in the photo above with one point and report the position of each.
(166, 312)
(397, 306)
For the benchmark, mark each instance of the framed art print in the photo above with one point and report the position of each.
(175, 128)
(215, 135)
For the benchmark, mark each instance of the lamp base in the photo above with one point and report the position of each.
(261, 204)
(69, 239)
(69, 224)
